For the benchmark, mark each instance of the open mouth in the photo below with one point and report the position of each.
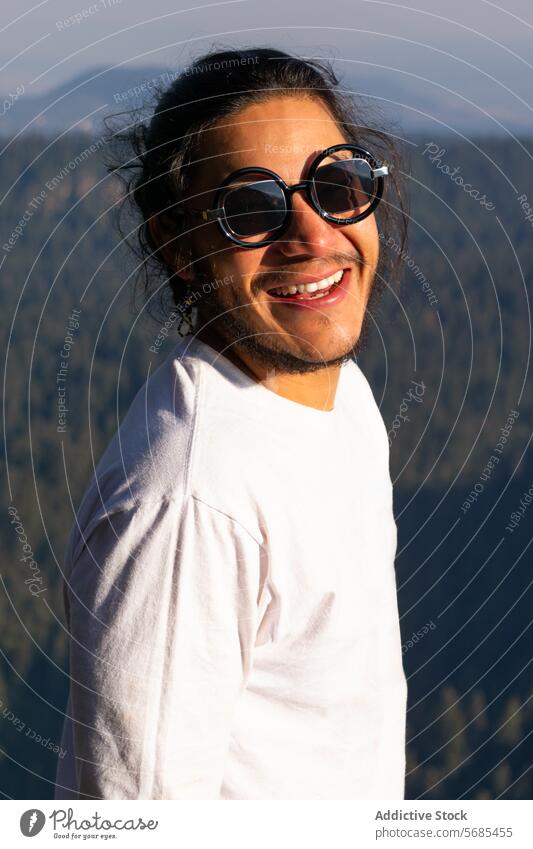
(308, 291)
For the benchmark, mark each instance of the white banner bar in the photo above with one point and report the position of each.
(264, 825)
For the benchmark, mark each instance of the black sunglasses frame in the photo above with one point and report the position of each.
(218, 213)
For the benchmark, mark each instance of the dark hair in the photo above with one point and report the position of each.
(151, 155)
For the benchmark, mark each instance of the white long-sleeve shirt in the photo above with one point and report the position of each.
(231, 597)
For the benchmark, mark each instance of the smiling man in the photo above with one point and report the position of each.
(229, 579)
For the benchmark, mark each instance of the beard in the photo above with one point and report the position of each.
(273, 356)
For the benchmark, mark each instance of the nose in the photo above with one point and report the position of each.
(307, 234)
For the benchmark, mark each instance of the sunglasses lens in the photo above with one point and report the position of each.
(254, 208)
(344, 187)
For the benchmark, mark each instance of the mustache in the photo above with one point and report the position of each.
(203, 289)
(282, 275)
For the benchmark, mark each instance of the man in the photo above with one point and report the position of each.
(230, 585)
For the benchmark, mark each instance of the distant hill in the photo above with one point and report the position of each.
(414, 102)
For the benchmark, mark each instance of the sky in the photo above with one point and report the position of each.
(474, 49)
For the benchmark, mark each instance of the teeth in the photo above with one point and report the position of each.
(308, 287)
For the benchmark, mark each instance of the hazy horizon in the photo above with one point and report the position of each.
(476, 56)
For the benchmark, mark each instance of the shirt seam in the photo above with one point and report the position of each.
(227, 516)
(134, 504)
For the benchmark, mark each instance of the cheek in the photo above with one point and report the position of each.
(210, 256)
(244, 265)
(231, 268)
(364, 237)
(238, 267)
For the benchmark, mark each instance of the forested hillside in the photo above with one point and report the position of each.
(456, 324)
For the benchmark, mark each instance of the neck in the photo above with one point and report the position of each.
(315, 389)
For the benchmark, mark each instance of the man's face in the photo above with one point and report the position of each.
(283, 134)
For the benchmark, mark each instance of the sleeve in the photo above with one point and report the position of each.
(163, 608)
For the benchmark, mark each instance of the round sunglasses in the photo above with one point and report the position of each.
(253, 205)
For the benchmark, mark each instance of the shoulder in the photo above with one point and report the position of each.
(356, 379)
(364, 409)
(179, 439)
(133, 535)
(148, 458)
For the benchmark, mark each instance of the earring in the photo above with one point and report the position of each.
(185, 324)
(186, 314)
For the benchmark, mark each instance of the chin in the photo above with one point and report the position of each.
(327, 354)
(332, 344)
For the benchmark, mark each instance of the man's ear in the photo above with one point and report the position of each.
(163, 235)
